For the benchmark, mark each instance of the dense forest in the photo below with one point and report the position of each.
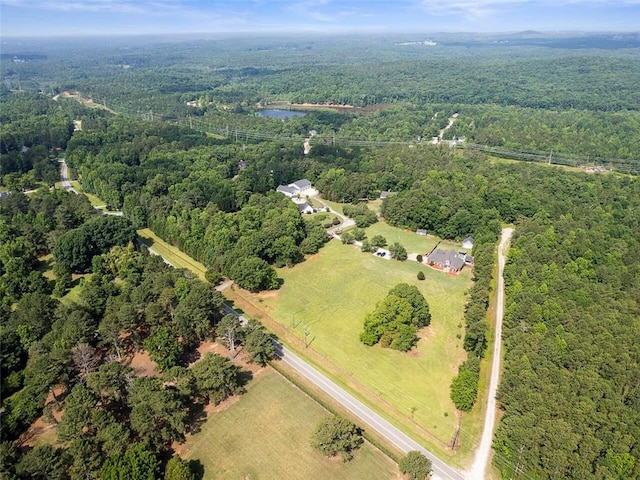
(63, 356)
(519, 93)
(569, 391)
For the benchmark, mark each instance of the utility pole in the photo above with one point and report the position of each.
(306, 337)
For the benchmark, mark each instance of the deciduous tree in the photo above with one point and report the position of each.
(415, 465)
(216, 377)
(335, 435)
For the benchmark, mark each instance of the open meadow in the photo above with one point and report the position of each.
(266, 434)
(323, 303)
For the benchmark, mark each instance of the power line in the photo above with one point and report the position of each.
(564, 159)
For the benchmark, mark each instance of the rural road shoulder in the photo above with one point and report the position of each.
(369, 418)
(441, 471)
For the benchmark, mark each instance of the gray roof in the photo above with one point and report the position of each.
(421, 231)
(286, 189)
(447, 258)
(468, 239)
(301, 184)
(303, 206)
(384, 194)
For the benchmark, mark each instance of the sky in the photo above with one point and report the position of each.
(125, 17)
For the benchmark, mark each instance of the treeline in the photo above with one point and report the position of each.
(268, 230)
(582, 102)
(31, 226)
(32, 128)
(570, 385)
(195, 193)
(569, 390)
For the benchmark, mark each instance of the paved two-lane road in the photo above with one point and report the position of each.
(64, 177)
(441, 471)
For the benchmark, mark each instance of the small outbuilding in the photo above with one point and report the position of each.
(305, 208)
(468, 243)
(421, 231)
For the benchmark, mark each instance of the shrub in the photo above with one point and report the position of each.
(421, 275)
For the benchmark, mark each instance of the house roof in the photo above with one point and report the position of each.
(286, 189)
(301, 184)
(421, 231)
(468, 240)
(447, 258)
(303, 206)
(384, 194)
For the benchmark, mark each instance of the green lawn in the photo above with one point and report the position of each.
(413, 242)
(330, 294)
(266, 435)
(170, 253)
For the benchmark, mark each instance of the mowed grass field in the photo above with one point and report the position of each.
(266, 435)
(329, 294)
(413, 242)
(171, 254)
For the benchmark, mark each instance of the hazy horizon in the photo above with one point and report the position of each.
(72, 18)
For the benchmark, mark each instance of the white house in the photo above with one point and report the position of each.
(296, 189)
(305, 208)
(468, 243)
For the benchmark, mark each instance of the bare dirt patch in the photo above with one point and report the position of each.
(426, 333)
(87, 101)
(142, 365)
(268, 294)
(40, 432)
(43, 431)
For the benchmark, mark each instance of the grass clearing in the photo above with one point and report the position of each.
(45, 266)
(413, 242)
(171, 254)
(266, 434)
(73, 295)
(329, 295)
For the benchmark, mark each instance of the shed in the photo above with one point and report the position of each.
(305, 208)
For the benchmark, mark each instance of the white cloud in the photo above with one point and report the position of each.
(480, 8)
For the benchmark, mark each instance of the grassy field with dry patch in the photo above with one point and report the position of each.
(266, 434)
(322, 304)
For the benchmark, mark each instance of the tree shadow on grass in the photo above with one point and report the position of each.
(244, 377)
(197, 468)
(195, 419)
